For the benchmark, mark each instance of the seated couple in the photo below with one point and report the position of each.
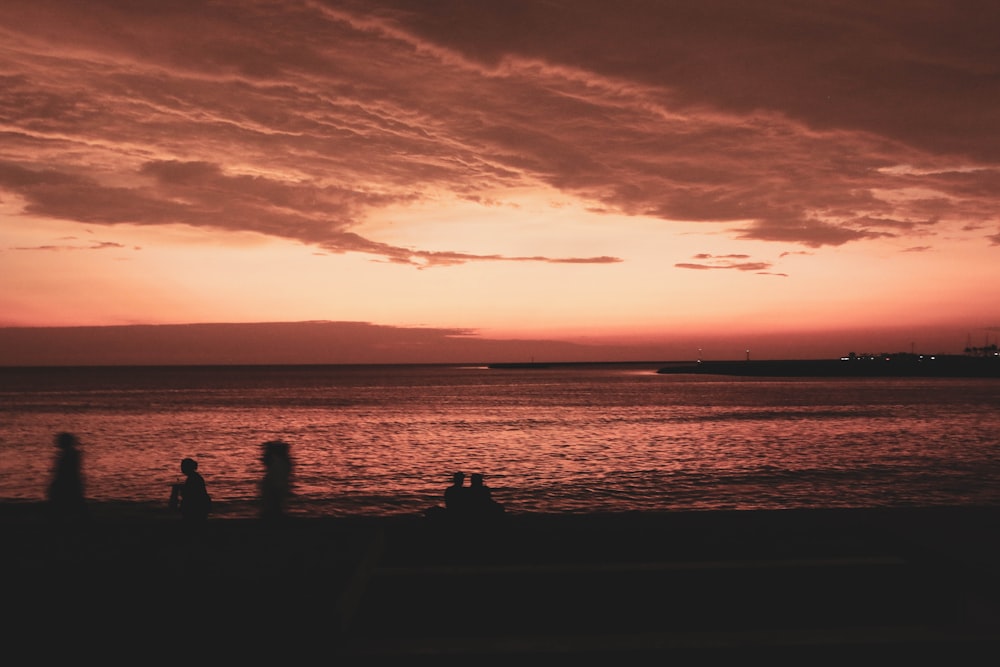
(468, 502)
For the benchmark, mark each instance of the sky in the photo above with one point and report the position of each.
(680, 178)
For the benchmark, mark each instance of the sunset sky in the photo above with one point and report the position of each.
(799, 178)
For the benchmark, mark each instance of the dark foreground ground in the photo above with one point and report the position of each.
(694, 587)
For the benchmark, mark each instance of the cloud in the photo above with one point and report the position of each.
(816, 124)
(730, 262)
(705, 255)
(99, 245)
(308, 342)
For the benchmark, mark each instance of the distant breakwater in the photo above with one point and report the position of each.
(881, 366)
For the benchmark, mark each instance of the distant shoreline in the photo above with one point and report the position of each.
(880, 366)
(530, 365)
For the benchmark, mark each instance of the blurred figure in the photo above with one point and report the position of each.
(191, 497)
(276, 487)
(65, 492)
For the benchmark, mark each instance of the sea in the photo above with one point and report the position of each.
(567, 438)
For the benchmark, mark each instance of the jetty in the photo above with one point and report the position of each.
(884, 365)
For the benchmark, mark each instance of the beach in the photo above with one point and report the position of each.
(918, 581)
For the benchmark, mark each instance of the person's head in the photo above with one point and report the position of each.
(188, 466)
(458, 479)
(274, 449)
(66, 441)
(477, 479)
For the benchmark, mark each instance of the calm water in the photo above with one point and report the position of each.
(384, 440)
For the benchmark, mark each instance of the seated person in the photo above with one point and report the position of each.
(481, 503)
(191, 497)
(456, 495)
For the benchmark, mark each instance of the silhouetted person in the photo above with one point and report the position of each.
(276, 487)
(455, 501)
(191, 497)
(480, 499)
(456, 495)
(65, 492)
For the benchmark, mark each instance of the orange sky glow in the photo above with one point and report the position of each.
(466, 181)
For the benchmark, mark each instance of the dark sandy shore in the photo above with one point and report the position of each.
(801, 585)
